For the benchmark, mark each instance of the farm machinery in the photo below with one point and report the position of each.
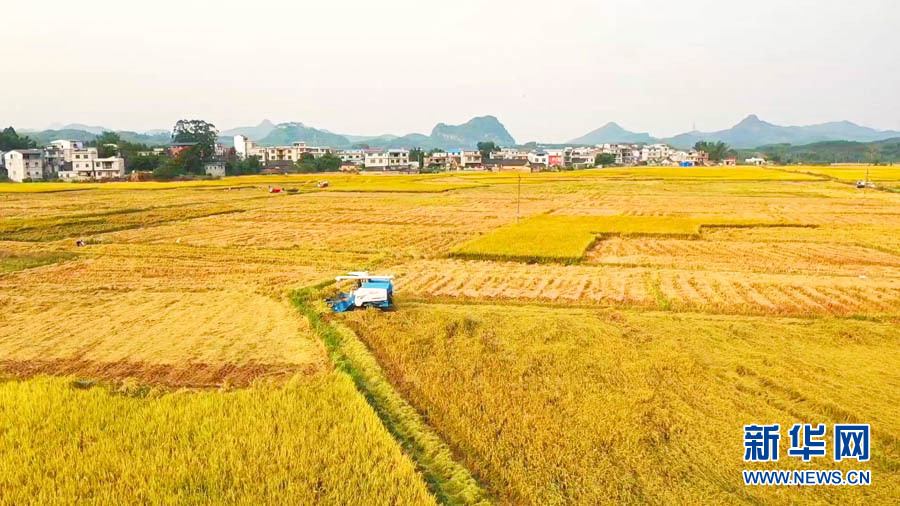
(369, 291)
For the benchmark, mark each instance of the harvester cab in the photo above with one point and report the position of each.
(369, 291)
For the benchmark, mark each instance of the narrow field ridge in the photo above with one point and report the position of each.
(450, 482)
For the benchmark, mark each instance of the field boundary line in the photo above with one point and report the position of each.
(653, 305)
(450, 481)
(826, 177)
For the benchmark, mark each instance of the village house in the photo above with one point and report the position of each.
(390, 159)
(276, 156)
(755, 161)
(22, 164)
(352, 157)
(580, 158)
(655, 153)
(63, 159)
(510, 154)
(214, 168)
(454, 159)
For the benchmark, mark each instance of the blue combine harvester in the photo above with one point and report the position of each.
(370, 291)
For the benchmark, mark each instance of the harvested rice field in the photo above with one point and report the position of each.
(560, 406)
(580, 337)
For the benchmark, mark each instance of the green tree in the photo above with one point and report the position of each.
(108, 144)
(143, 162)
(776, 153)
(199, 131)
(238, 167)
(10, 140)
(325, 163)
(874, 153)
(487, 148)
(187, 161)
(418, 155)
(717, 150)
(605, 159)
(329, 163)
(166, 171)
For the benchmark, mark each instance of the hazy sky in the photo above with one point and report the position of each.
(550, 70)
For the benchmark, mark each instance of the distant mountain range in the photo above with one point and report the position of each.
(42, 137)
(611, 133)
(883, 151)
(255, 133)
(748, 133)
(751, 132)
(443, 136)
(96, 130)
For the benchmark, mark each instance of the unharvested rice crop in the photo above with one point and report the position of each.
(889, 176)
(569, 406)
(337, 182)
(668, 173)
(563, 238)
(313, 441)
(49, 229)
(13, 261)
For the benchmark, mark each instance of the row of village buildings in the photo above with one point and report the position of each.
(70, 160)
(61, 159)
(73, 161)
(273, 157)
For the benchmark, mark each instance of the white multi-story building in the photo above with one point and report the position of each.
(354, 156)
(655, 153)
(94, 168)
(243, 146)
(22, 164)
(691, 157)
(376, 160)
(69, 160)
(511, 154)
(316, 151)
(454, 159)
(626, 154)
(276, 155)
(580, 158)
(62, 156)
(538, 157)
(469, 158)
(438, 159)
(390, 159)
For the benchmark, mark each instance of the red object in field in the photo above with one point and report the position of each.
(274, 190)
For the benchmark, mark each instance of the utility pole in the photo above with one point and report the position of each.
(519, 199)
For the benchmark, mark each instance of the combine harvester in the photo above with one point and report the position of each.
(371, 291)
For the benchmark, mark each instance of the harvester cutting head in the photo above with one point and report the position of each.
(370, 291)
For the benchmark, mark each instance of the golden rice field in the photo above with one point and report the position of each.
(566, 238)
(560, 406)
(884, 175)
(585, 337)
(314, 441)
